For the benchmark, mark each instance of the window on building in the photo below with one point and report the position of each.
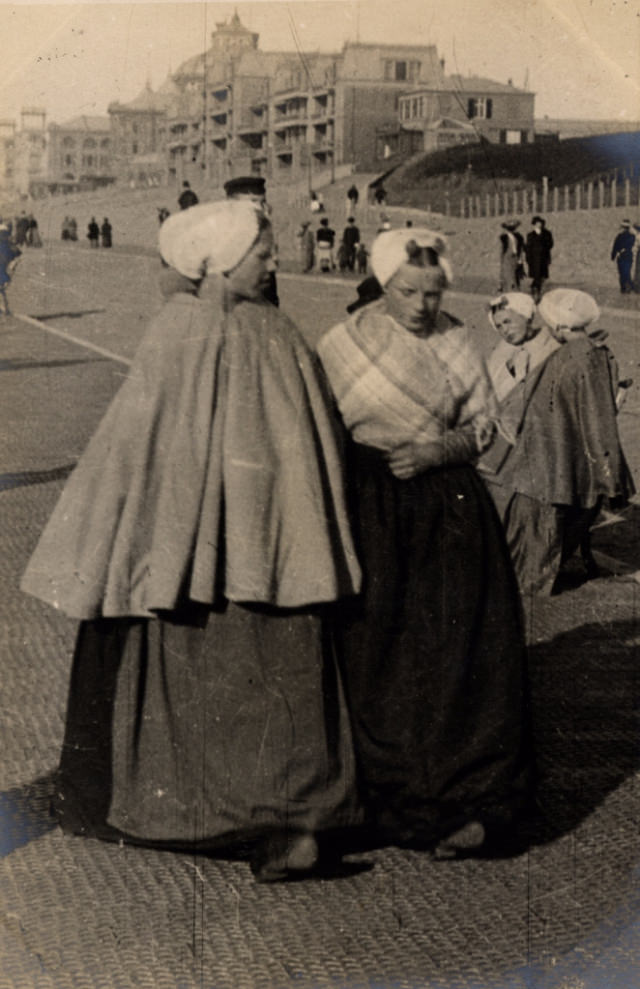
(134, 128)
(68, 159)
(88, 143)
(480, 107)
(104, 143)
(68, 142)
(134, 148)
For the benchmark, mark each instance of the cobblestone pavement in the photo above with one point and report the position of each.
(561, 914)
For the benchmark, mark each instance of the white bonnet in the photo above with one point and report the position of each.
(569, 308)
(516, 301)
(209, 237)
(389, 251)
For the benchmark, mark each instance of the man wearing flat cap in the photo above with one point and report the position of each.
(622, 254)
(254, 188)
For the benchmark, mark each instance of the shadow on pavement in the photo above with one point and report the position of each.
(23, 479)
(68, 315)
(585, 692)
(25, 814)
(26, 365)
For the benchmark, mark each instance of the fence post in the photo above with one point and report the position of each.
(555, 199)
(566, 199)
(534, 200)
(589, 195)
(545, 194)
(487, 205)
(578, 195)
(505, 201)
(627, 192)
(496, 204)
(600, 194)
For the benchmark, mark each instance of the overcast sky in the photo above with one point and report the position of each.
(581, 57)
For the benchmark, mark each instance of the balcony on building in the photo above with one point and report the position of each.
(221, 94)
(323, 104)
(293, 109)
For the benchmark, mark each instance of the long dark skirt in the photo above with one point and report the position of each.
(433, 654)
(206, 728)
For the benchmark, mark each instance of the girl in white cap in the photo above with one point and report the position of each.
(443, 765)
(559, 455)
(202, 540)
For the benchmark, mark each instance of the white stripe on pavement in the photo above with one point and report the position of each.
(69, 336)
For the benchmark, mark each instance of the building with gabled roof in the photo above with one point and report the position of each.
(498, 112)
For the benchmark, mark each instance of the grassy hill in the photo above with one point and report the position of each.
(434, 180)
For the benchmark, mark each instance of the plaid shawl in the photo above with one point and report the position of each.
(392, 386)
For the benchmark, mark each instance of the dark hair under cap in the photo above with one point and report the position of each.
(248, 185)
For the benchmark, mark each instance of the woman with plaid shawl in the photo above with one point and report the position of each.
(433, 649)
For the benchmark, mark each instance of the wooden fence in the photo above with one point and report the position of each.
(605, 193)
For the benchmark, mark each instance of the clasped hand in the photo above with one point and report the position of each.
(457, 446)
(413, 457)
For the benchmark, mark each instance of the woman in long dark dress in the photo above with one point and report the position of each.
(433, 651)
(203, 540)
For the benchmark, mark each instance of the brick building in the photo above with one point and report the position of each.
(287, 115)
(139, 136)
(79, 154)
(7, 155)
(461, 107)
(30, 153)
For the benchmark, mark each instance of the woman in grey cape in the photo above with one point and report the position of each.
(202, 540)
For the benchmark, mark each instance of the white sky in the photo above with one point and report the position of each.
(582, 56)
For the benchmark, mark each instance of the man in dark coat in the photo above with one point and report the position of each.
(254, 188)
(538, 252)
(93, 233)
(187, 197)
(622, 254)
(350, 240)
(106, 230)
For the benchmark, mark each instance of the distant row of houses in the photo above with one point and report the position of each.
(235, 109)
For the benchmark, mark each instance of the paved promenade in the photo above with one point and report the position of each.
(561, 913)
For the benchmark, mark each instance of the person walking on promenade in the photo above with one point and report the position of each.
(558, 455)
(306, 245)
(622, 254)
(443, 765)
(9, 253)
(380, 195)
(511, 256)
(35, 239)
(325, 240)
(361, 258)
(93, 233)
(106, 232)
(203, 541)
(187, 197)
(73, 228)
(350, 241)
(538, 253)
(253, 189)
(352, 200)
